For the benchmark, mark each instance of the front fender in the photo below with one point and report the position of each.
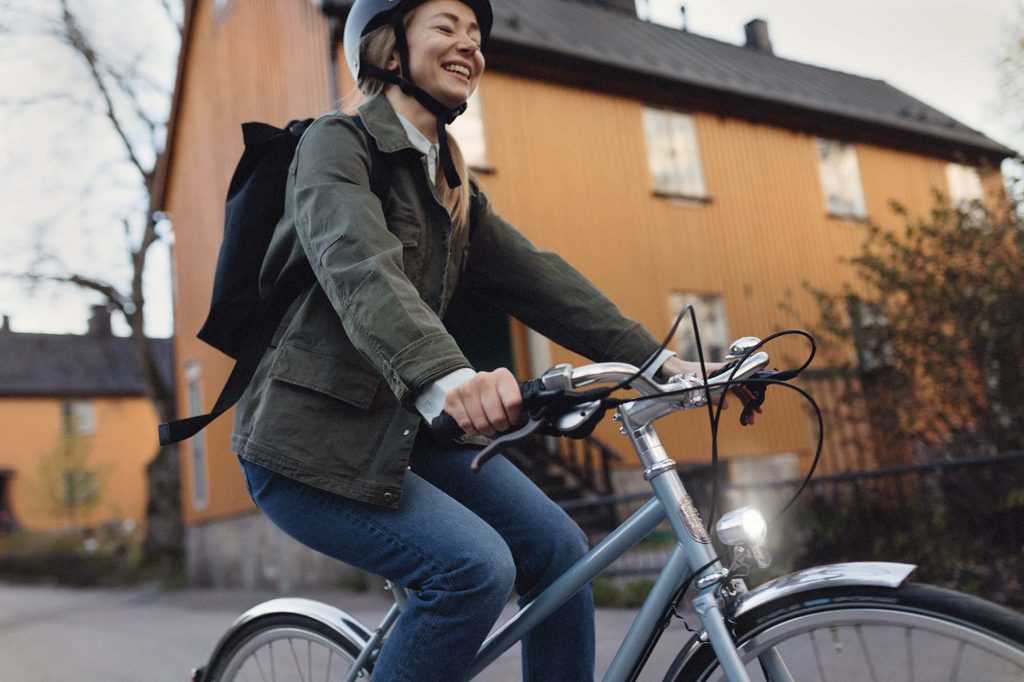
(861, 573)
(855, 574)
(346, 625)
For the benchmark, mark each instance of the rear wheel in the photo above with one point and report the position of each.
(915, 632)
(285, 648)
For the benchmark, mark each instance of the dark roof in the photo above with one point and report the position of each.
(68, 365)
(584, 43)
(601, 36)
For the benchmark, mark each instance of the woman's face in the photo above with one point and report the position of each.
(444, 50)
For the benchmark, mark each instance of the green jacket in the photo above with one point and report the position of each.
(331, 402)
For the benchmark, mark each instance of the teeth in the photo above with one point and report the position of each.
(455, 68)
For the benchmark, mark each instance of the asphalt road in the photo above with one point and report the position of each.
(50, 634)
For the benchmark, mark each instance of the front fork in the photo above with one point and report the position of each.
(688, 526)
(659, 470)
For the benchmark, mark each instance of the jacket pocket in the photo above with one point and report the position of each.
(327, 374)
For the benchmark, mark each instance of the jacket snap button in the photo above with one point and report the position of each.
(388, 497)
(406, 432)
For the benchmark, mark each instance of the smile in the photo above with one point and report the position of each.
(458, 70)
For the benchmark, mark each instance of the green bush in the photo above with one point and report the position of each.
(610, 592)
(76, 558)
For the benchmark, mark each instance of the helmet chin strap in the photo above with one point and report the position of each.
(444, 114)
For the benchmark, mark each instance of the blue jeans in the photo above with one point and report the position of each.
(461, 542)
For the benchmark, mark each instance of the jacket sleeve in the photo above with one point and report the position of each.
(358, 262)
(547, 294)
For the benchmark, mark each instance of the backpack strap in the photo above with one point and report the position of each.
(284, 293)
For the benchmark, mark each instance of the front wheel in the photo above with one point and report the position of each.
(284, 648)
(914, 632)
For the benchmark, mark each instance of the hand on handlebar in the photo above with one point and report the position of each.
(674, 366)
(488, 403)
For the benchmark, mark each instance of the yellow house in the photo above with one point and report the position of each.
(669, 168)
(76, 428)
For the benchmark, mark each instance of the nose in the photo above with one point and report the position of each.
(467, 46)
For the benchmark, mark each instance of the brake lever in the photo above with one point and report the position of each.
(531, 426)
(759, 391)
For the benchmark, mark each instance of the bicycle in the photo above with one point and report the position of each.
(853, 621)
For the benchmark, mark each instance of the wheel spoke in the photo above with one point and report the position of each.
(867, 653)
(817, 657)
(959, 657)
(298, 666)
(259, 666)
(910, 654)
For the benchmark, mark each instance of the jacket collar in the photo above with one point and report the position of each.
(382, 123)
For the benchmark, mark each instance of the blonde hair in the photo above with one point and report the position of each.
(376, 48)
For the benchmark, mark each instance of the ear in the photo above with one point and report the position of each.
(394, 62)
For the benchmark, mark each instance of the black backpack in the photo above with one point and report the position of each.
(240, 323)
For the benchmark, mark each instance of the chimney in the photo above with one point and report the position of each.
(757, 36)
(99, 323)
(6, 329)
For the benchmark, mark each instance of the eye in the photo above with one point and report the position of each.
(447, 30)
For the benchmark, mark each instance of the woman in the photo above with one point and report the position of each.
(329, 425)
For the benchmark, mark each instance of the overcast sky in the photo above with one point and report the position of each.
(943, 52)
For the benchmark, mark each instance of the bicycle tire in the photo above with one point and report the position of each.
(304, 646)
(914, 632)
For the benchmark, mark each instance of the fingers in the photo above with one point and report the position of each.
(486, 404)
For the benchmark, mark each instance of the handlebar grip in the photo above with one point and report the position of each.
(446, 429)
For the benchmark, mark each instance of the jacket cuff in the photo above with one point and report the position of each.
(422, 362)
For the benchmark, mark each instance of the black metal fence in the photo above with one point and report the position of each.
(961, 522)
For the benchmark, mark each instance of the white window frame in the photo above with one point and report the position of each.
(470, 134)
(712, 322)
(197, 443)
(964, 185)
(673, 154)
(78, 417)
(841, 181)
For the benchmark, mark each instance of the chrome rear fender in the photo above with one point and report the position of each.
(346, 625)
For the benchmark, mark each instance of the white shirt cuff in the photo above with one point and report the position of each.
(430, 401)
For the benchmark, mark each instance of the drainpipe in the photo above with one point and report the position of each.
(336, 11)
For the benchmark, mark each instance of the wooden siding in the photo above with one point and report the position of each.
(762, 234)
(123, 443)
(571, 172)
(262, 60)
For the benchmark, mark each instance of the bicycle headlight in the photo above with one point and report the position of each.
(742, 527)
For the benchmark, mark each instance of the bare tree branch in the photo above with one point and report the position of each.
(170, 15)
(108, 290)
(76, 38)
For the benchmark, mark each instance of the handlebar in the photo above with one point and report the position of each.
(568, 401)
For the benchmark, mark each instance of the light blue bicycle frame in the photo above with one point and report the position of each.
(693, 550)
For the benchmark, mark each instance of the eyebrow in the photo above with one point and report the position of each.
(455, 19)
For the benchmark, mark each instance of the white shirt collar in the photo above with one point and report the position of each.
(420, 141)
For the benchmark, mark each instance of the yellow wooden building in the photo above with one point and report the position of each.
(76, 428)
(669, 168)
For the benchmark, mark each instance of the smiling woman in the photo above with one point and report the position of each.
(331, 446)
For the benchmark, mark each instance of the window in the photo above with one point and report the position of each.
(673, 154)
(193, 381)
(78, 418)
(964, 184)
(711, 323)
(840, 179)
(468, 131)
(872, 336)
